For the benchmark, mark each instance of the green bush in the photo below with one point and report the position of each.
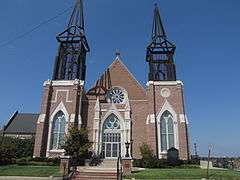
(22, 161)
(7, 150)
(14, 148)
(24, 147)
(77, 143)
(95, 160)
(47, 161)
(150, 160)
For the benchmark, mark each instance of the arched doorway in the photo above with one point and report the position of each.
(111, 138)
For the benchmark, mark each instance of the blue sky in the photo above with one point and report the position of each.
(207, 57)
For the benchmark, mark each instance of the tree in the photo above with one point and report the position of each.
(7, 150)
(77, 142)
(24, 147)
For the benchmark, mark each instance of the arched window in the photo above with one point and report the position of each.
(166, 131)
(112, 122)
(58, 130)
(111, 139)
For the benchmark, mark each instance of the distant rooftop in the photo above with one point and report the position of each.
(21, 123)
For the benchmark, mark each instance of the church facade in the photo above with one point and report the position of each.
(117, 111)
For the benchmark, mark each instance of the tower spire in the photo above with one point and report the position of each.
(70, 62)
(160, 52)
(157, 29)
(77, 17)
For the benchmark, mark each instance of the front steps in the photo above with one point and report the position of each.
(94, 176)
(107, 170)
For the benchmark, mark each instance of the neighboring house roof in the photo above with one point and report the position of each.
(21, 123)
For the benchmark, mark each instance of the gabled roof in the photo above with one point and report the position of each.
(117, 74)
(21, 123)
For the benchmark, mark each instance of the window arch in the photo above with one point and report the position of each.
(111, 137)
(112, 122)
(167, 131)
(58, 130)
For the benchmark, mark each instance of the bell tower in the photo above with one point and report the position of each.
(70, 62)
(160, 53)
(62, 96)
(167, 125)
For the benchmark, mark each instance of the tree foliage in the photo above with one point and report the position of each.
(7, 150)
(77, 142)
(12, 148)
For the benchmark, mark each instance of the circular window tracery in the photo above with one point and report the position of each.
(112, 123)
(116, 95)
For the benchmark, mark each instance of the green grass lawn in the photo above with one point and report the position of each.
(32, 171)
(177, 173)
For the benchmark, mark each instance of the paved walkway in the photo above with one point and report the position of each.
(28, 178)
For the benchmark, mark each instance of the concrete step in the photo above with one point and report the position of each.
(94, 175)
(109, 163)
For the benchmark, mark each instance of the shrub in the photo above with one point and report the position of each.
(77, 143)
(24, 147)
(149, 160)
(95, 160)
(7, 150)
(22, 161)
(45, 161)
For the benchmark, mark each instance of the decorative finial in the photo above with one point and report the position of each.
(118, 53)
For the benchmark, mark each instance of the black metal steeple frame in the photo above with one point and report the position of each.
(160, 52)
(70, 62)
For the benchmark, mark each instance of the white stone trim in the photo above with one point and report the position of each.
(125, 130)
(62, 108)
(62, 90)
(64, 82)
(183, 118)
(166, 83)
(150, 119)
(167, 107)
(41, 118)
(143, 100)
(72, 118)
(119, 110)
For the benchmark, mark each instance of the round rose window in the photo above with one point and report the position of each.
(116, 95)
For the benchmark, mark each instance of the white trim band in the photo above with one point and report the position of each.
(169, 83)
(64, 82)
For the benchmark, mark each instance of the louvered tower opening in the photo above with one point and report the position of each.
(70, 62)
(160, 53)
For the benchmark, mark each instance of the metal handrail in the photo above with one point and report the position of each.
(119, 168)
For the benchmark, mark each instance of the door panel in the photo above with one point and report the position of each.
(111, 145)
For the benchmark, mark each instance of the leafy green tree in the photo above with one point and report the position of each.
(7, 150)
(149, 160)
(24, 147)
(77, 142)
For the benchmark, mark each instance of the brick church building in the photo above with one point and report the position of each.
(117, 110)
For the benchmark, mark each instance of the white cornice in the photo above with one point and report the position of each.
(64, 82)
(168, 83)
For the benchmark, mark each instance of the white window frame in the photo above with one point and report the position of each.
(58, 132)
(166, 119)
(167, 107)
(62, 108)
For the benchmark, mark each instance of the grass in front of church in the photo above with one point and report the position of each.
(179, 173)
(30, 171)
